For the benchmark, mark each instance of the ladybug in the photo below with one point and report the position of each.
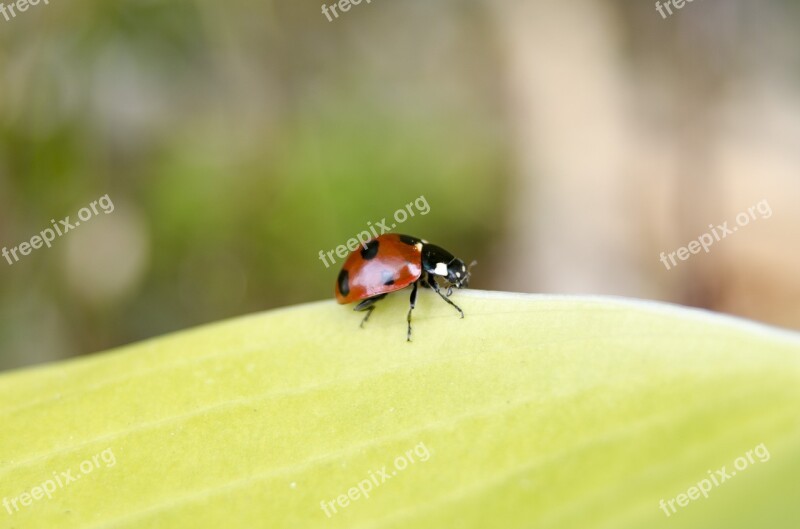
(391, 262)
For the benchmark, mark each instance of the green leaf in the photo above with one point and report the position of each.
(533, 411)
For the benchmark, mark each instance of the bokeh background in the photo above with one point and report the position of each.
(562, 144)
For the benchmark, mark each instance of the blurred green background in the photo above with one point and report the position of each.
(563, 145)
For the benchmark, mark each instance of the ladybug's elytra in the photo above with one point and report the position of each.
(392, 262)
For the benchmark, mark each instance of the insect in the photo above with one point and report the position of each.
(391, 262)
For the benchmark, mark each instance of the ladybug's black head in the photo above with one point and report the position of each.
(439, 262)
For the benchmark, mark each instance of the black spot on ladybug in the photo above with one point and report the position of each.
(344, 282)
(411, 241)
(370, 251)
(387, 277)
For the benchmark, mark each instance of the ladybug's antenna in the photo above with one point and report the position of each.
(469, 272)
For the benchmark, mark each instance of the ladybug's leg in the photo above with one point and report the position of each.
(435, 286)
(413, 303)
(368, 305)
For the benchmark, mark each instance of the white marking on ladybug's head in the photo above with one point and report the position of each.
(441, 269)
(418, 246)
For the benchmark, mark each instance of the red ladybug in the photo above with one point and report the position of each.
(391, 262)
